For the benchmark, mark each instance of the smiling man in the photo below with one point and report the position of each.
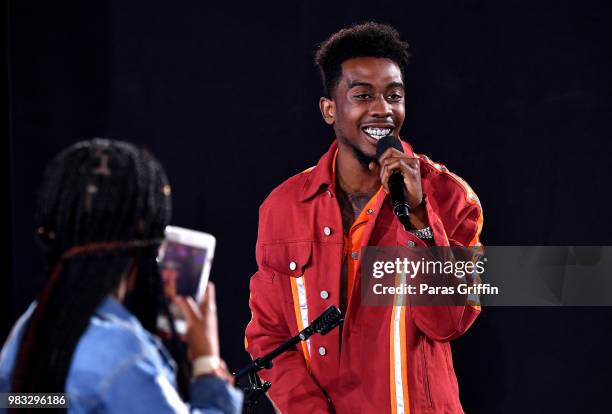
(312, 228)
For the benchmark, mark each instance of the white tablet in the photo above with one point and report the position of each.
(184, 259)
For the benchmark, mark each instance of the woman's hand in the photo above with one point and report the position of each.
(202, 334)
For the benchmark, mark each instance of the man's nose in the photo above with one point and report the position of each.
(380, 108)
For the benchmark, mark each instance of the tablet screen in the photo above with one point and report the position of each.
(181, 268)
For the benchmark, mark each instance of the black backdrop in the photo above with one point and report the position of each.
(513, 96)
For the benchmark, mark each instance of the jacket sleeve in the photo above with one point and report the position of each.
(463, 227)
(138, 386)
(294, 389)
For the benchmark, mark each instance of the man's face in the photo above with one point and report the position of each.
(367, 104)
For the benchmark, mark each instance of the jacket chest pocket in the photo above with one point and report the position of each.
(290, 261)
(287, 258)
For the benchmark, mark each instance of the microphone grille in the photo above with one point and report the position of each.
(387, 142)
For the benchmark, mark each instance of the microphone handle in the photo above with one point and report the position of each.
(399, 199)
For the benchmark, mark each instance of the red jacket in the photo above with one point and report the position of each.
(389, 359)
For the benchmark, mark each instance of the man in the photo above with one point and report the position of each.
(312, 227)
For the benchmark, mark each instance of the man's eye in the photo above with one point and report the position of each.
(395, 97)
(362, 96)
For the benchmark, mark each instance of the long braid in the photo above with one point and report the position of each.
(148, 292)
(95, 191)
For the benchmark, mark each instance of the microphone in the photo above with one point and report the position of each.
(397, 189)
(327, 321)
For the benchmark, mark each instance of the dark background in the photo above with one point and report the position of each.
(513, 96)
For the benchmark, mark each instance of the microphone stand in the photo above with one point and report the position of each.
(327, 321)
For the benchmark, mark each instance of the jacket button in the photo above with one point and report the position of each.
(324, 294)
(327, 230)
(329, 193)
(370, 211)
(322, 350)
(410, 244)
(292, 265)
(355, 255)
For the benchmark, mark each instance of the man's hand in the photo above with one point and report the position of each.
(393, 160)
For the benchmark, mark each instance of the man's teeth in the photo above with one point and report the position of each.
(377, 133)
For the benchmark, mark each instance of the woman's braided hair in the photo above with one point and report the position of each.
(101, 213)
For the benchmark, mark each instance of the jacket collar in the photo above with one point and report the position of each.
(111, 306)
(321, 176)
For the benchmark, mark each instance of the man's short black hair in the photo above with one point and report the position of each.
(362, 40)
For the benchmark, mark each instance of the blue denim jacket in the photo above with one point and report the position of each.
(119, 367)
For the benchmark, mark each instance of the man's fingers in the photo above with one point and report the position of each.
(412, 163)
(409, 168)
(395, 164)
(390, 152)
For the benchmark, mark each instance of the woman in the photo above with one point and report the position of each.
(102, 210)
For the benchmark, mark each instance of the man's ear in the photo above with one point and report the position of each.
(328, 110)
